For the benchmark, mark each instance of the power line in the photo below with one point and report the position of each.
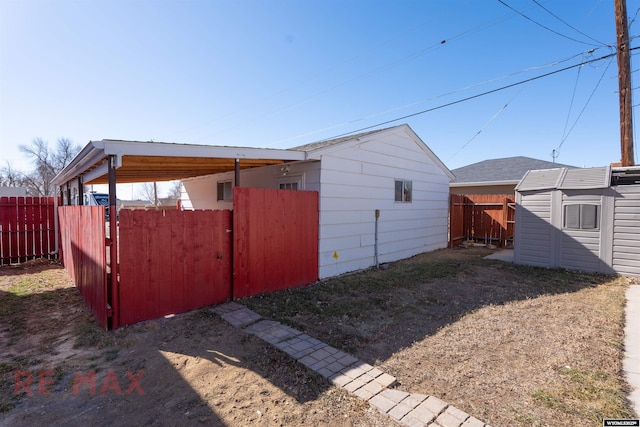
(584, 107)
(422, 101)
(543, 26)
(566, 23)
(478, 95)
(486, 125)
(573, 97)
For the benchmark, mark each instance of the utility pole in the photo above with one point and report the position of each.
(624, 84)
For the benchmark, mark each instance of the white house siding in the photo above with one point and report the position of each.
(626, 230)
(201, 192)
(357, 180)
(534, 233)
(580, 249)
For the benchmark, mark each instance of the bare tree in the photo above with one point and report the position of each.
(175, 191)
(10, 177)
(149, 192)
(47, 164)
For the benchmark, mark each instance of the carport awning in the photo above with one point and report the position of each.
(137, 161)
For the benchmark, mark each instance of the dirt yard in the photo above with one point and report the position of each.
(509, 345)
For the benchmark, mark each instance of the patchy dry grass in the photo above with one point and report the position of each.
(512, 345)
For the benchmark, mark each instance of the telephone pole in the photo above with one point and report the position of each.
(624, 84)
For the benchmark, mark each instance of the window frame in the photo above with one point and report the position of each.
(404, 193)
(581, 216)
(290, 180)
(224, 191)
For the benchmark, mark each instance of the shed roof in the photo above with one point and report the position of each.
(507, 170)
(566, 179)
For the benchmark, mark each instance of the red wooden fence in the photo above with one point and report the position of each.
(83, 253)
(27, 228)
(176, 261)
(172, 262)
(485, 218)
(275, 240)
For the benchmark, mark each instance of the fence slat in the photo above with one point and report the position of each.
(27, 228)
(485, 218)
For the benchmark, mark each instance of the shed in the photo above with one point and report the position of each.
(580, 219)
(383, 196)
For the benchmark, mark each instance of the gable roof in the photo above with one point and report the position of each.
(316, 149)
(508, 170)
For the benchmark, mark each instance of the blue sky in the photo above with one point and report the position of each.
(281, 73)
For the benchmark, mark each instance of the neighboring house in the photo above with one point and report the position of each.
(386, 180)
(580, 219)
(13, 191)
(496, 176)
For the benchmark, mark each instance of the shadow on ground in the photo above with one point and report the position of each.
(374, 314)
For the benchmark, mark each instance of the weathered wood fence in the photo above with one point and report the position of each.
(27, 228)
(484, 218)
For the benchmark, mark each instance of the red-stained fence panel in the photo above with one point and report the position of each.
(83, 249)
(275, 240)
(482, 218)
(27, 228)
(172, 262)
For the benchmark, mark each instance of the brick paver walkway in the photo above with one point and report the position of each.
(349, 373)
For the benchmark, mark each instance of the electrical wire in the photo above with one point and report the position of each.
(374, 71)
(585, 106)
(486, 125)
(422, 101)
(543, 26)
(566, 23)
(573, 97)
(468, 98)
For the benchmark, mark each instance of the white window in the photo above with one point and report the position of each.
(290, 182)
(403, 190)
(581, 217)
(225, 191)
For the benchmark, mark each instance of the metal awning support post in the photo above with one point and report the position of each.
(112, 297)
(237, 173)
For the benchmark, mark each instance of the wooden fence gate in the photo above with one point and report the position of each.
(27, 228)
(485, 218)
(275, 240)
(176, 261)
(172, 262)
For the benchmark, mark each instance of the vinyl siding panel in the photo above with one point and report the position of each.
(580, 249)
(358, 180)
(626, 230)
(200, 193)
(533, 216)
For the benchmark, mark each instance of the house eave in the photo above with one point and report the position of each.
(482, 183)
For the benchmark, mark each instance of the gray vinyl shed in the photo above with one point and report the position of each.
(580, 219)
